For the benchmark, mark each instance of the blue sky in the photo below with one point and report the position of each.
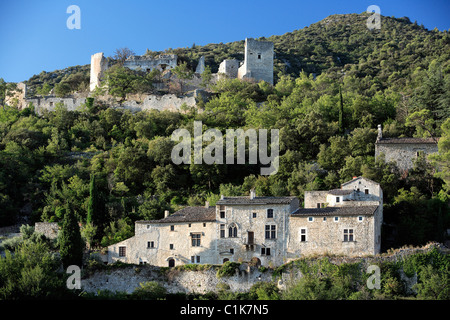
(34, 36)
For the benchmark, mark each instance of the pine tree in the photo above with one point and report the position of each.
(70, 243)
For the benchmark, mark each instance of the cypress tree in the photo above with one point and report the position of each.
(93, 200)
(70, 243)
(341, 112)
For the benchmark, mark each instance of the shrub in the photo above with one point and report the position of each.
(227, 269)
(150, 290)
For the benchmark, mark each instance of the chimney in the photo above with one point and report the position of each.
(166, 213)
(206, 204)
(380, 133)
(252, 194)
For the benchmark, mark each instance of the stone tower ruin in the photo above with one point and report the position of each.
(98, 65)
(258, 63)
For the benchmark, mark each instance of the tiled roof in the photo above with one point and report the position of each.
(188, 214)
(340, 192)
(407, 140)
(335, 211)
(255, 200)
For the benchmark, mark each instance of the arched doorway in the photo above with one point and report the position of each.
(171, 263)
(225, 260)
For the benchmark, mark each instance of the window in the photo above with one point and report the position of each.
(360, 218)
(318, 205)
(310, 219)
(150, 244)
(324, 219)
(348, 235)
(302, 235)
(231, 250)
(189, 225)
(222, 231)
(259, 56)
(366, 191)
(195, 238)
(337, 199)
(271, 231)
(122, 251)
(195, 259)
(204, 224)
(171, 246)
(232, 231)
(254, 214)
(148, 226)
(222, 212)
(172, 228)
(265, 251)
(336, 219)
(269, 213)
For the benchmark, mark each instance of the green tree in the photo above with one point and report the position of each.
(93, 204)
(433, 284)
(70, 243)
(183, 73)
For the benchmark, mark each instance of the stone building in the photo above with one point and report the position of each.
(404, 151)
(229, 68)
(266, 230)
(340, 221)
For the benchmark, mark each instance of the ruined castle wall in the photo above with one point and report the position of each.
(148, 64)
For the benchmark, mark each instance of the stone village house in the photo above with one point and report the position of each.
(269, 230)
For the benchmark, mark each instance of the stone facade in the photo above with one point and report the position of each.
(266, 230)
(404, 151)
(258, 63)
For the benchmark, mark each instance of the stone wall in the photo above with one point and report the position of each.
(404, 154)
(128, 278)
(169, 102)
(49, 229)
(174, 280)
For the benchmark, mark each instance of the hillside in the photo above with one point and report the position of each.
(338, 44)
